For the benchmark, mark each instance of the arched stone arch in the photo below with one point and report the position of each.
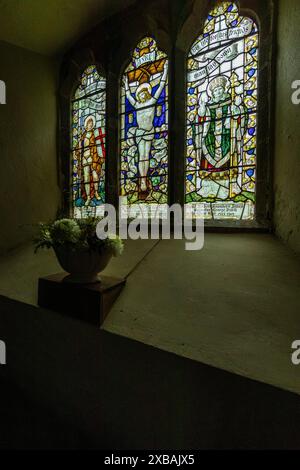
(72, 70)
(144, 126)
(262, 15)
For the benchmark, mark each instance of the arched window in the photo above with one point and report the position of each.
(144, 127)
(222, 116)
(88, 145)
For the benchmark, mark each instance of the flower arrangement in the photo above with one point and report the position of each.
(76, 235)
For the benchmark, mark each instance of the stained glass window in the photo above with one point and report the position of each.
(144, 127)
(222, 116)
(88, 145)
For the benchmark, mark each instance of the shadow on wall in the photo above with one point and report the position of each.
(108, 392)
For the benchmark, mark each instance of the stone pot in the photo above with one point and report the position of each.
(83, 265)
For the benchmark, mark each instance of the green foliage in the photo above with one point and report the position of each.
(244, 196)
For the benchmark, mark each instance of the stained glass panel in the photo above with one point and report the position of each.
(222, 116)
(144, 127)
(88, 145)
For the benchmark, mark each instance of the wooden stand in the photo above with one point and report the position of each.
(90, 303)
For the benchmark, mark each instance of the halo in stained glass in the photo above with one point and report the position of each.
(88, 145)
(221, 132)
(144, 127)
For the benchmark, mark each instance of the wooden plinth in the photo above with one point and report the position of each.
(90, 303)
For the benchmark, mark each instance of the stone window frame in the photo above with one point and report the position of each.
(106, 47)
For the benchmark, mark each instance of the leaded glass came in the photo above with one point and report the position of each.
(144, 127)
(88, 145)
(222, 116)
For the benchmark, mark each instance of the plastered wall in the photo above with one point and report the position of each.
(287, 132)
(28, 124)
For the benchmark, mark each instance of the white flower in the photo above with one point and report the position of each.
(65, 231)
